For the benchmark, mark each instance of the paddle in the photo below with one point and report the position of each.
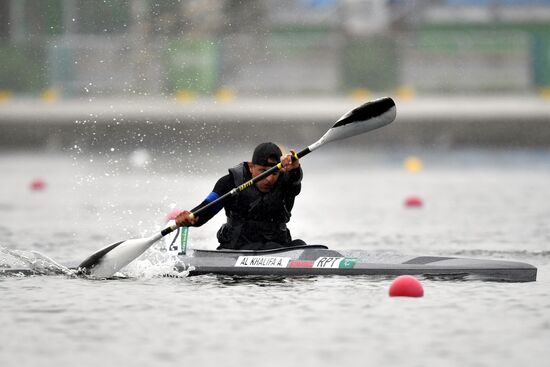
(369, 116)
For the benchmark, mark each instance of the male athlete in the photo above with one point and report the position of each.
(257, 216)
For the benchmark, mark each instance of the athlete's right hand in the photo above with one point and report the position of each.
(186, 219)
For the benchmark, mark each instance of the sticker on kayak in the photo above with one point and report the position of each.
(263, 261)
(335, 262)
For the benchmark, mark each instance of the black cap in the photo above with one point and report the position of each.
(265, 152)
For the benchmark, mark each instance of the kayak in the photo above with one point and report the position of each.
(312, 260)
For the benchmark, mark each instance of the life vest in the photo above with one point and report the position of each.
(256, 217)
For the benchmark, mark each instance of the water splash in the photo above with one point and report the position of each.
(156, 262)
(30, 263)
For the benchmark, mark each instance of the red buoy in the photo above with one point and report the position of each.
(406, 286)
(173, 214)
(38, 184)
(413, 202)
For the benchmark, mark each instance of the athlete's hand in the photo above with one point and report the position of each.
(287, 163)
(185, 219)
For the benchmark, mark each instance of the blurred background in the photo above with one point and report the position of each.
(463, 71)
(71, 48)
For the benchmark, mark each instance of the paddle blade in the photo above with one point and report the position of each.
(360, 120)
(111, 259)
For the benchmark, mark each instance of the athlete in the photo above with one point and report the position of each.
(257, 216)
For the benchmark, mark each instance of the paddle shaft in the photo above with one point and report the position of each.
(238, 189)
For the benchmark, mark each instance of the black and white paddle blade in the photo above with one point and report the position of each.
(367, 117)
(96, 257)
(108, 261)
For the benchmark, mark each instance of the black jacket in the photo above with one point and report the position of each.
(254, 219)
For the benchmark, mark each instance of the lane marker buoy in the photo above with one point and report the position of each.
(173, 214)
(413, 202)
(413, 164)
(406, 286)
(37, 184)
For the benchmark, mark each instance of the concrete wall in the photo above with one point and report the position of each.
(164, 125)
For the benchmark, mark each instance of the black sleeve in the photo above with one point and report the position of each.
(294, 181)
(223, 186)
(293, 186)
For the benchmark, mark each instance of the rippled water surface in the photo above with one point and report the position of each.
(485, 204)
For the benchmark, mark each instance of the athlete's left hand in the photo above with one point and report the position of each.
(287, 163)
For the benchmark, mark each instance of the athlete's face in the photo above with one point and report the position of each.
(265, 185)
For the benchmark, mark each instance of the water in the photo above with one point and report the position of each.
(490, 204)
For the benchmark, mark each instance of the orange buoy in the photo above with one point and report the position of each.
(406, 286)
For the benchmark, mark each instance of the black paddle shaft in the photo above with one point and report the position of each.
(250, 182)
